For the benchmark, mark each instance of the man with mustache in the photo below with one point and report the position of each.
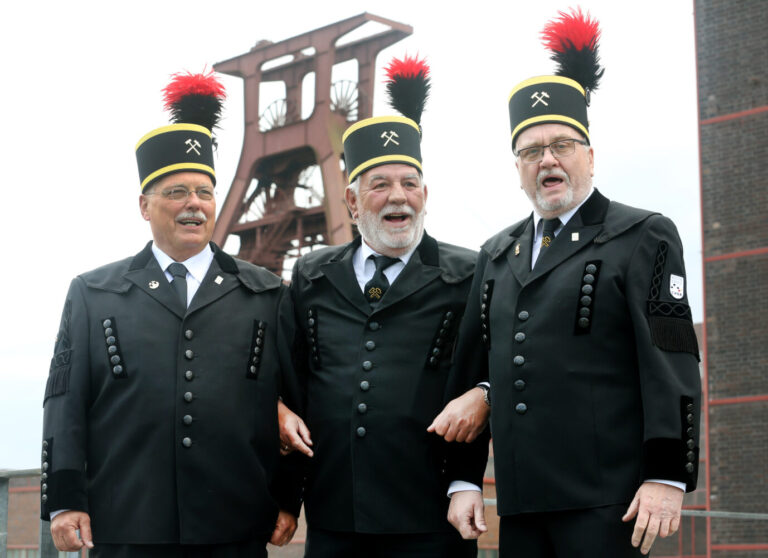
(377, 320)
(578, 317)
(160, 433)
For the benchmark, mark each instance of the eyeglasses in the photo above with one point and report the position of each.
(181, 193)
(559, 149)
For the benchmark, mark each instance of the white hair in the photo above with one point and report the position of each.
(355, 186)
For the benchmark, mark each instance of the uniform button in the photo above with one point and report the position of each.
(187, 442)
(689, 418)
(106, 323)
(519, 336)
(689, 431)
(483, 316)
(44, 476)
(310, 313)
(373, 326)
(436, 352)
(432, 361)
(449, 314)
(689, 467)
(259, 341)
(187, 419)
(586, 300)
(584, 312)
(110, 340)
(485, 298)
(691, 456)
(44, 498)
(690, 443)
(117, 370)
(583, 323)
(439, 342)
(257, 350)
(483, 307)
(108, 332)
(189, 375)
(485, 338)
(587, 289)
(485, 287)
(45, 466)
(311, 332)
(44, 487)
(112, 349)
(362, 408)
(188, 396)
(519, 360)
(115, 359)
(311, 322)
(252, 369)
(45, 444)
(370, 345)
(360, 431)
(45, 454)
(689, 407)
(591, 268)
(446, 323)
(256, 360)
(364, 385)
(521, 408)
(442, 332)
(519, 385)
(188, 354)
(523, 315)
(589, 278)
(367, 365)
(189, 334)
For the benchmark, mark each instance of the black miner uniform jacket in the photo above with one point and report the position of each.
(374, 380)
(161, 424)
(593, 361)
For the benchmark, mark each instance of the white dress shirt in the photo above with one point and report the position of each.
(197, 266)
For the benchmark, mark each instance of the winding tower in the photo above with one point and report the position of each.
(274, 205)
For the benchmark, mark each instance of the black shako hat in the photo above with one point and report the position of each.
(562, 98)
(381, 140)
(195, 103)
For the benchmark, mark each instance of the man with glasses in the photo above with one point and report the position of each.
(578, 318)
(160, 433)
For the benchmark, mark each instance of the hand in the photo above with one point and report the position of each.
(284, 529)
(464, 418)
(657, 507)
(467, 513)
(64, 527)
(294, 434)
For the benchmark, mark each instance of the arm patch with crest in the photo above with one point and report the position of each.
(670, 322)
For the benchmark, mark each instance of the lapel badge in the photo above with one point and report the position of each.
(676, 286)
(574, 237)
(218, 279)
(517, 249)
(153, 285)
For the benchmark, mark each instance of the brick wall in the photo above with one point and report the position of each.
(732, 43)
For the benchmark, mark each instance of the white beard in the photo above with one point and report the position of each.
(379, 237)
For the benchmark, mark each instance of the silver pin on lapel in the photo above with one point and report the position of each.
(153, 284)
(218, 279)
(517, 249)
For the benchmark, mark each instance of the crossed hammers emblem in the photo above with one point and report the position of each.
(193, 145)
(540, 98)
(390, 137)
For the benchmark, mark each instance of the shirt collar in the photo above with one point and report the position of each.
(565, 217)
(197, 266)
(365, 251)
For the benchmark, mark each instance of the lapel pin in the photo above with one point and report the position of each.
(574, 237)
(153, 284)
(517, 249)
(218, 279)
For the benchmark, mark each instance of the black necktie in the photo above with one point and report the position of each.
(548, 232)
(179, 282)
(378, 285)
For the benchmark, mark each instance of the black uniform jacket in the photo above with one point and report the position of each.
(161, 423)
(593, 362)
(374, 381)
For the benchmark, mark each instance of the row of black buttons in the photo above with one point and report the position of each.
(312, 336)
(44, 476)
(113, 350)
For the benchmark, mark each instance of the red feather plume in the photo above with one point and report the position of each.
(408, 86)
(573, 39)
(571, 31)
(183, 85)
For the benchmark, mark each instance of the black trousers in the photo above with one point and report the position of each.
(588, 533)
(335, 544)
(247, 549)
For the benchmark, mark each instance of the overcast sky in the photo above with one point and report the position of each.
(81, 84)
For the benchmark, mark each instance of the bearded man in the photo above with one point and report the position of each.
(377, 320)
